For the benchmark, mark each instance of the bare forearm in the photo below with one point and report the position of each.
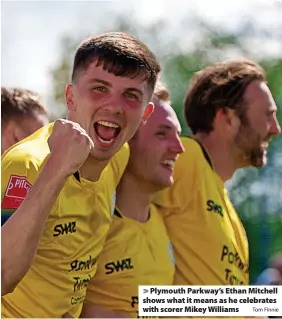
(22, 232)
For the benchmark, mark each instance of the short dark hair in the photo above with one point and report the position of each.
(118, 53)
(17, 103)
(219, 86)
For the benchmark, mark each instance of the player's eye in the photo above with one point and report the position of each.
(131, 96)
(100, 88)
(161, 134)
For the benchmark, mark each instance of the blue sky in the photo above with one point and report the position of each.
(31, 31)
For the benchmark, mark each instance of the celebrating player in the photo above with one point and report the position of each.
(137, 250)
(58, 185)
(232, 116)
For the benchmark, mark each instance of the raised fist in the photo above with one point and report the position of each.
(69, 145)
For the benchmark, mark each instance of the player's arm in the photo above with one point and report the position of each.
(92, 311)
(22, 231)
(20, 235)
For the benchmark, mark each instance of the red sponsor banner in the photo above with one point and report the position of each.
(16, 191)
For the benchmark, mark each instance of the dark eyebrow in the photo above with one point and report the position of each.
(102, 82)
(135, 90)
(110, 85)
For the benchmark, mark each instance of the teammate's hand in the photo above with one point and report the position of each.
(69, 145)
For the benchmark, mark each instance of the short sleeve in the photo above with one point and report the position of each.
(19, 172)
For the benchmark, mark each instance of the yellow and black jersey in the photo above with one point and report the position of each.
(134, 254)
(73, 236)
(208, 238)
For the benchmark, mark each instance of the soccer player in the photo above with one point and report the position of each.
(21, 115)
(137, 249)
(58, 185)
(232, 115)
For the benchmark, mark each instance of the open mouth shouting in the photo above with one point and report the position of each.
(106, 132)
(168, 164)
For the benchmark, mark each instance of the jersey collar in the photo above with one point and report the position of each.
(206, 154)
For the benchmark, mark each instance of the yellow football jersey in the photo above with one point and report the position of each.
(208, 238)
(134, 254)
(74, 232)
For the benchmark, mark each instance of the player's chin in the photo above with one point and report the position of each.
(260, 159)
(165, 176)
(261, 163)
(102, 154)
(164, 182)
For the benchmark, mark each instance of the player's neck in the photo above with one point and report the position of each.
(133, 198)
(221, 155)
(92, 169)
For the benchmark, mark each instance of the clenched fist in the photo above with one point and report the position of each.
(69, 145)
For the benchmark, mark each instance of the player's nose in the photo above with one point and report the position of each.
(115, 105)
(275, 128)
(177, 146)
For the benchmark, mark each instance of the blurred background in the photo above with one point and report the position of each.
(39, 39)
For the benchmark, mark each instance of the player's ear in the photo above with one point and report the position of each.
(69, 97)
(9, 133)
(227, 119)
(148, 111)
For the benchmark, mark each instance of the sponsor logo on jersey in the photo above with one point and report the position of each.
(64, 229)
(77, 300)
(81, 283)
(119, 265)
(213, 207)
(16, 191)
(78, 265)
(232, 260)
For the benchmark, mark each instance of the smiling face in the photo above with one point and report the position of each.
(109, 107)
(155, 148)
(258, 125)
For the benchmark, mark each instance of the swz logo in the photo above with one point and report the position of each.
(66, 228)
(118, 265)
(213, 207)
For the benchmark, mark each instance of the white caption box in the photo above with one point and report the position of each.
(229, 301)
